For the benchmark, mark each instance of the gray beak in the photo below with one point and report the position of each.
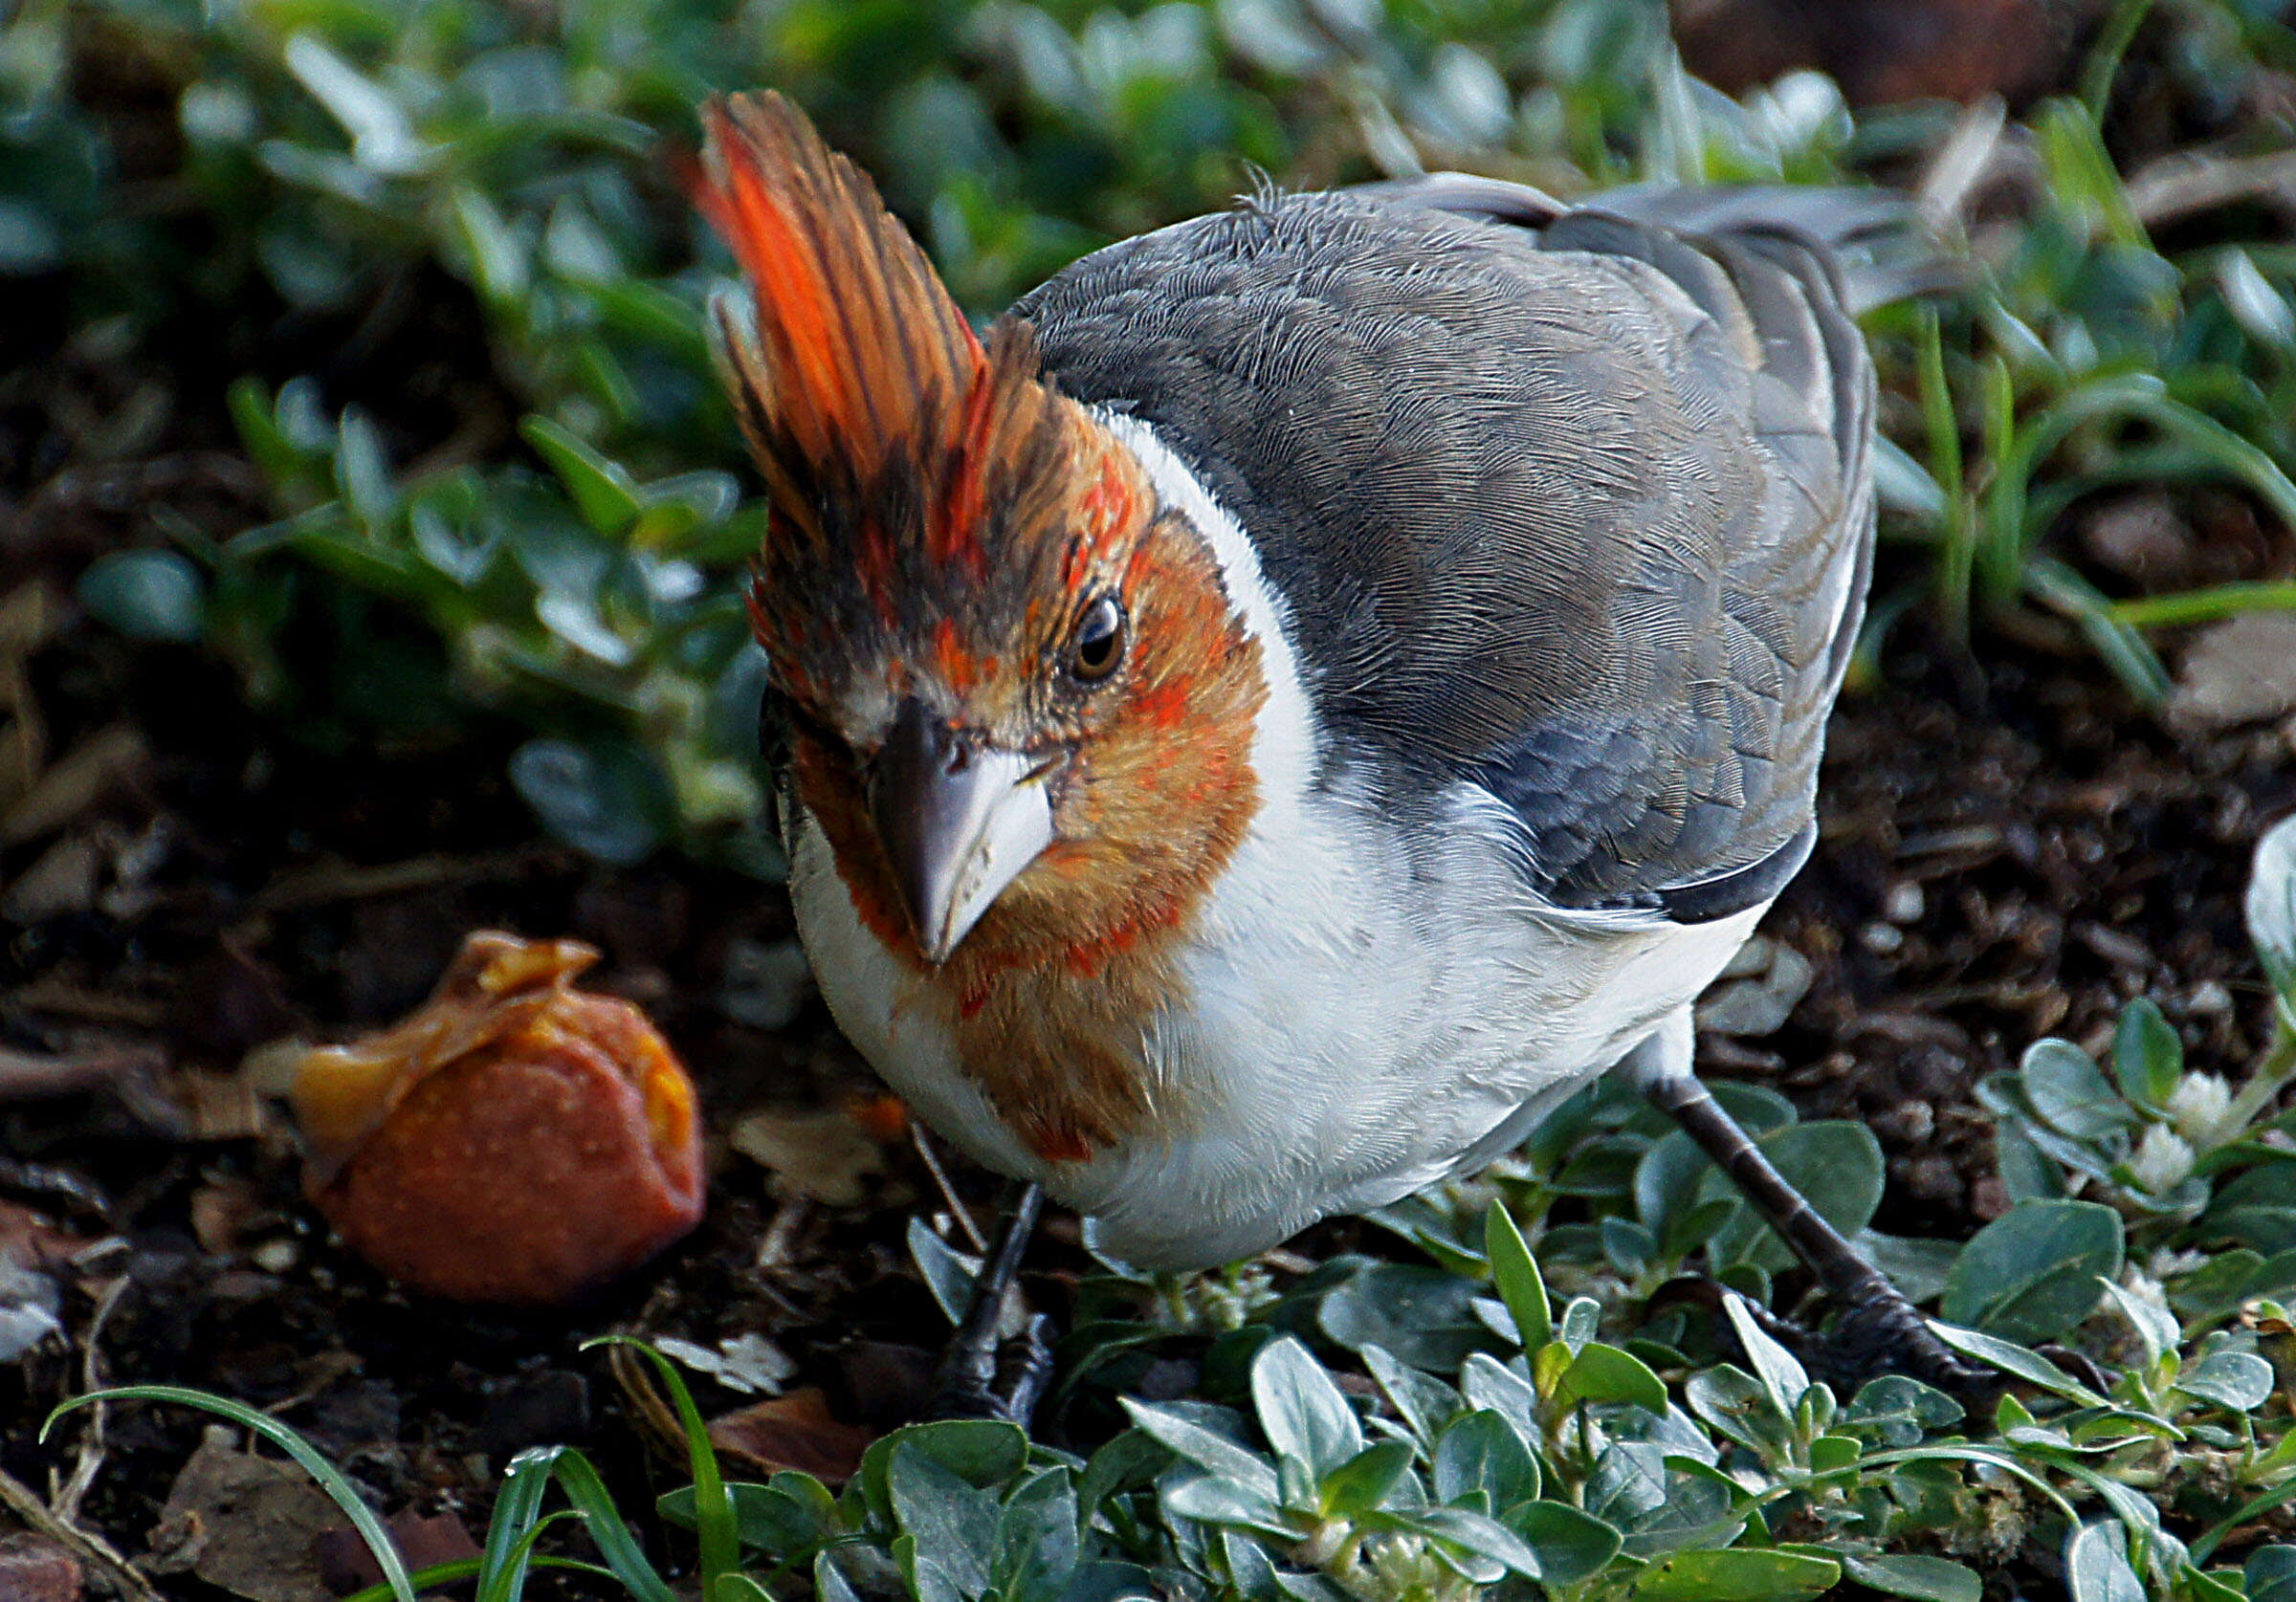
(959, 817)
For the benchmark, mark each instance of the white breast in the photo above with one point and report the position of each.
(1362, 1007)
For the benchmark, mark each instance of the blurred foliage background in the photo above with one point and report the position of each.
(416, 290)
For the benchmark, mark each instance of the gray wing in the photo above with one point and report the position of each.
(1572, 504)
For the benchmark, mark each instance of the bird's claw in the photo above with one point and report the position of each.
(1882, 1335)
(1003, 1381)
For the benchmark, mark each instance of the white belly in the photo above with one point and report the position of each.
(1347, 1029)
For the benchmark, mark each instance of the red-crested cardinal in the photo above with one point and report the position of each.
(1312, 685)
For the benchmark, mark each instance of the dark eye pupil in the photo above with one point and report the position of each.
(1099, 639)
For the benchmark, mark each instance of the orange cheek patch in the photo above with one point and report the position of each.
(1165, 706)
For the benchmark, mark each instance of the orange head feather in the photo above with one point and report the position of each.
(880, 420)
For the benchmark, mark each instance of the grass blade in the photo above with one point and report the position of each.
(714, 1520)
(2066, 592)
(395, 1577)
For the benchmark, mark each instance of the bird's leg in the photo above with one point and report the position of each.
(976, 1379)
(1878, 1328)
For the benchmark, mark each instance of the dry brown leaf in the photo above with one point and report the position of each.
(793, 1432)
(34, 1568)
(823, 1155)
(245, 1524)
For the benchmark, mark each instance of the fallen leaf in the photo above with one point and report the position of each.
(345, 1564)
(244, 1523)
(224, 1209)
(31, 1300)
(34, 1568)
(750, 1364)
(60, 881)
(819, 1156)
(793, 1432)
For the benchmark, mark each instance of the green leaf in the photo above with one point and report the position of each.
(1836, 1167)
(2029, 1365)
(1473, 1533)
(1629, 1483)
(2096, 1564)
(1483, 1452)
(1419, 1313)
(1301, 1411)
(2071, 1092)
(984, 1452)
(2258, 1206)
(713, 1518)
(147, 595)
(2270, 905)
(1424, 1402)
(363, 472)
(2026, 1172)
(1781, 1374)
(602, 490)
(2156, 1326)
(1734, 1402)
(948, 1274)
(2033, 1273)
(2270, 1574)
(605, 801)
(275, 452)
(500, 267)
(1738, 1575)
(1223, 1459)
(1036, 1543)
(1365, 1481)
(1213, 1500)
(2240, 1381)
(2147, 1059)
(1926, 1579)
(1516, 1272)
(382, 138)
(1604, 1373)
(788, 1518)
(1571, 1545)
(1488, 1383)
(2259, 308)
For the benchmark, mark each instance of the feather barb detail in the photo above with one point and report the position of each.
(863, 387)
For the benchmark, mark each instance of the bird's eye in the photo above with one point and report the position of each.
(1098, 644)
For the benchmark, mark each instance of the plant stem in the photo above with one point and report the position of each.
(2271, 1076)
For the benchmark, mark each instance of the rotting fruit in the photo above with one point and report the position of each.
(513, 1140)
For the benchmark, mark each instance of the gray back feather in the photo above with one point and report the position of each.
(1574, 504)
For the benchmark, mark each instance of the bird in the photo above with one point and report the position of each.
(1309, 688)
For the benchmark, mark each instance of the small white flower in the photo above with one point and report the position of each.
(2199, 1108)
(2142, 1285)
(2168, 1263)
(2162, 1159)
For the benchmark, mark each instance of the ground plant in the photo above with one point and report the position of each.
(492, 504)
